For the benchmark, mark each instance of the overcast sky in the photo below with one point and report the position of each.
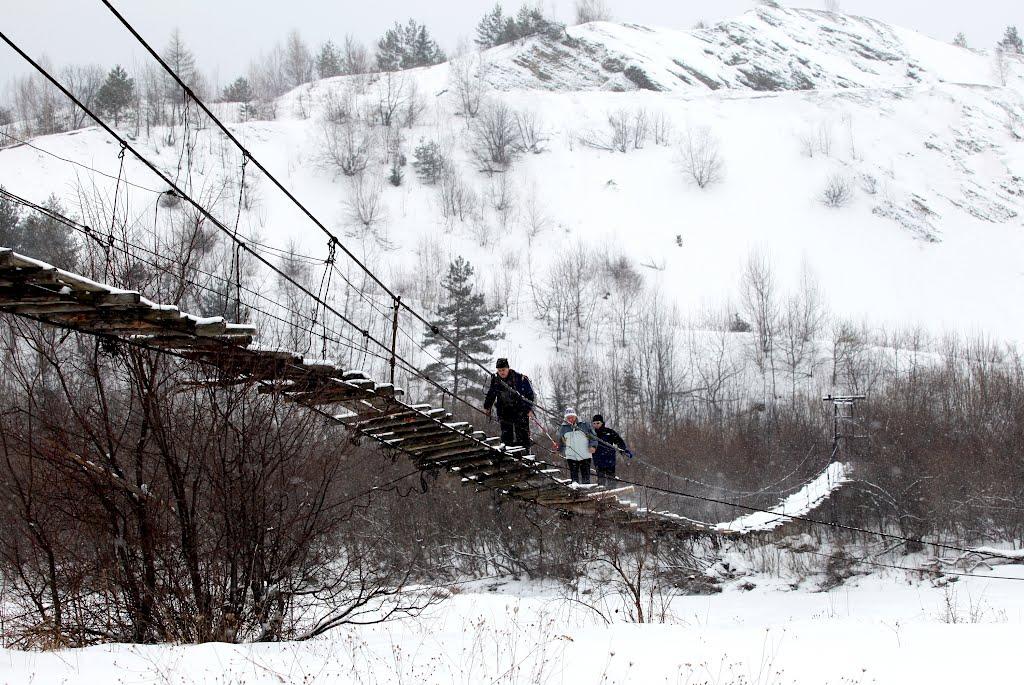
(226, 34)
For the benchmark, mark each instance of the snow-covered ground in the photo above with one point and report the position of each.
(881, 629)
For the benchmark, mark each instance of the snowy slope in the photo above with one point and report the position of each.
(767, 49)
(931, 149)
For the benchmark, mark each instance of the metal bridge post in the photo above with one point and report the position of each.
(394, 335)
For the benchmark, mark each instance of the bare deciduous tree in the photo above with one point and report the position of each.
(298, 61)
(802, 319)
(365, 203)
(701, 160)
(466, 80)
(347, 146)
(390, 98)
(494, 137)
(532, 134)
(759, 301)
(458, 200)
(661, 129)
(591, 10)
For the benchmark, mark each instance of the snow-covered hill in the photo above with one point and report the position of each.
(929, 145)
(766, 49)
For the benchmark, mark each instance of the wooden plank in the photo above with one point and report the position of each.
(387, 420)
(411, 443)
(45, 308)
(410, 439)
(332, 395)
(441, 444)
(505, 478)
(452, 455)
(440, 447)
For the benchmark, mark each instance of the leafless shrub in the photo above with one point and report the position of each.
(817, 140)
(701, 159)
(621, 131)
(591, 10)
(661, 129)
(869, 184)
(347, 146)
(626, 131)
(532, 135)
(494, 137)
(837, 192)
(389, 98)
(340, 108)
(458, 200)
(414, 106)
(641, 128)
(365, 203)
(481, 229)
(759, 301)
(466, 81)
(535, 215)
(502, 198)
(803, 317)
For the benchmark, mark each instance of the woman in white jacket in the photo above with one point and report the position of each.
(577, 441)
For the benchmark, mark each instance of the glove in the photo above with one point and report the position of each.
(628, 453)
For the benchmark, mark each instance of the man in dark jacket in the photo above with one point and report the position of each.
(513, 394)
(608, 445)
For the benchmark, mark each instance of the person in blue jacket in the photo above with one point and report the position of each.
(610, 443)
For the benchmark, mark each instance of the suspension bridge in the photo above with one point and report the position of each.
(425, 434)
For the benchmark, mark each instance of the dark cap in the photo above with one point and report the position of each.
(597, 417)
(502, 363)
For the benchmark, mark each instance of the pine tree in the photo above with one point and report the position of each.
(45, 238)
(396, 176)
(391, 49)
(428, 162)
(116, 94)
(471, 326)
(961, 40)
(1011, 41)
(496, 29)
(491, 28)
(407, 47)
(183, 62)
(241, 92)
(328, 61)
(425, 50)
